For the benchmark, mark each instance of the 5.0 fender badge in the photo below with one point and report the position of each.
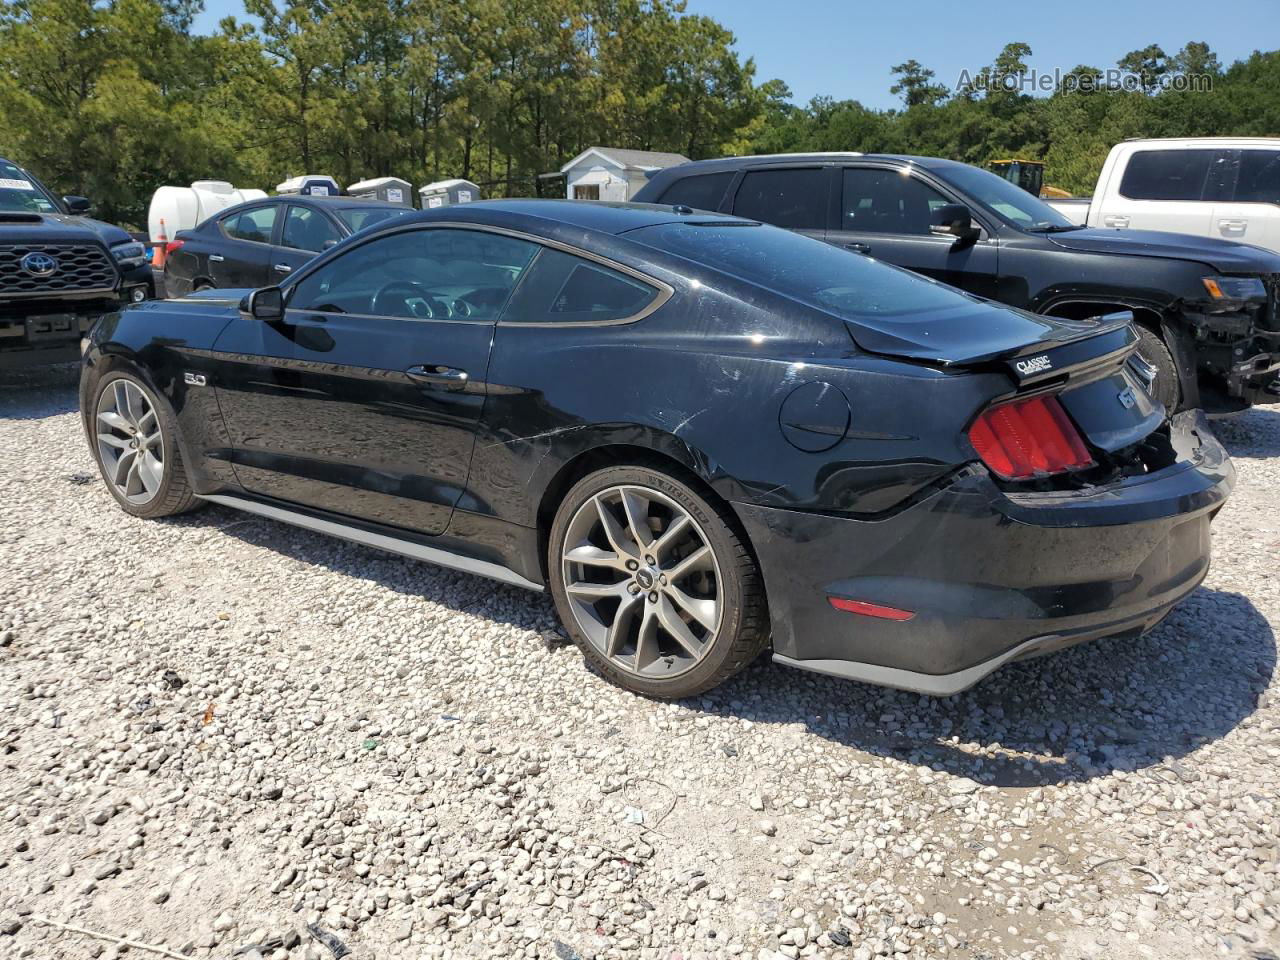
(1034, 365)
(194, 379)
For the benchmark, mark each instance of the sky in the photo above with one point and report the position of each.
(844, 48)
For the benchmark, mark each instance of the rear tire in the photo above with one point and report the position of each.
(134, 438)
(1167, 388)
(654, 583)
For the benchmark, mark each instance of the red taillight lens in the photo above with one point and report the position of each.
(1028, 438)
(173, 245)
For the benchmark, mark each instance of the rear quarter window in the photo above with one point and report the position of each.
(563, 288)
(703, 192)
(1166, 175)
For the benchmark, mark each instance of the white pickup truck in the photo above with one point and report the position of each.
(1225, 187)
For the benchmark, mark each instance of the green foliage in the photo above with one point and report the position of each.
(112, 98)
(990, 117)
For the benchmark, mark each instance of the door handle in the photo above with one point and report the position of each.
(434, 375)
(1115, 221)
(857, 247)
(1236, 227)
(282, 268)
(216, 258)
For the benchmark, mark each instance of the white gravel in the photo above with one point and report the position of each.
(218, 730)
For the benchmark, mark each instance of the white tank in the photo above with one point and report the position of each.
(182, 208)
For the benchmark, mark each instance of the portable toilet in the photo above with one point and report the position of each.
(183, 208)
(310, 185)
(386, 189)
(443, 193)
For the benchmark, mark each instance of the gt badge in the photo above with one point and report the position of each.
(194, 379)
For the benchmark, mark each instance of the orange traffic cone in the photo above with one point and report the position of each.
(159, 248)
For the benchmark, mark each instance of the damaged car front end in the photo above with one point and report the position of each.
(1237, 332)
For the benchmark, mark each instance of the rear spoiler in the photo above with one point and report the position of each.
(1104, 349)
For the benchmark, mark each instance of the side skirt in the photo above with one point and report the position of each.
(406, 548)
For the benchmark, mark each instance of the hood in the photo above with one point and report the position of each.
(975, 333)
(57, 228)
(1224, 256)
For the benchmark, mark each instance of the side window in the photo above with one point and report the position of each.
(562, 288)
(795, 199)
(437, 273)
(307, 229)
(1166, 175)
(703, 192)
(1259, 177)
(887, 201)
(256, 225)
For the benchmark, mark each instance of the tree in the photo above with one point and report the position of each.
(915, 85)
(1149, 65)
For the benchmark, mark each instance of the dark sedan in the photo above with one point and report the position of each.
(703, 435)
(263, 241)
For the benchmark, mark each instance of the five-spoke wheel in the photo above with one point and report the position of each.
(653, 582)
(135, 445)
(130, 441)
(642, 580)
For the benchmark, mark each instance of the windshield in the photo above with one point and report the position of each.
(850, 285)
(1010, 201)
(357, 218)
(20, 194)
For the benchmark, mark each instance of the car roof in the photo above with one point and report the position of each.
(597, 215)
(771, 159)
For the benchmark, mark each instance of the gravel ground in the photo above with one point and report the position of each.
(230, 737)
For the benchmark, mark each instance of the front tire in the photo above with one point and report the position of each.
(654, 583)
(134, 438)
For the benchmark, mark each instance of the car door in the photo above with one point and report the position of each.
(240, 256)
(794, 196)
(1248, 210)
(364, 399)
(306, 231)
(886, 212)
(1163, 190)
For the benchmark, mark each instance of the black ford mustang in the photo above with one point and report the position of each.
(700, 433)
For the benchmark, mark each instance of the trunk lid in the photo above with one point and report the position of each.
(1088, 363)
(976, 333)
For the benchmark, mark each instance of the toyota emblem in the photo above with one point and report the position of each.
(39, 264)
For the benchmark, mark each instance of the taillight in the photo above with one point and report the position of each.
(1029, 438)
(173, 246)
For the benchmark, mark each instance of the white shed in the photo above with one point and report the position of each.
(613, 173)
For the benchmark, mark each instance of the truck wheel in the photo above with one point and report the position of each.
(654, 584)
(1167, 388)
(135, 441)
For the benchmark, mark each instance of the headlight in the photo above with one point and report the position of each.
(129, 254)
(1235, 288)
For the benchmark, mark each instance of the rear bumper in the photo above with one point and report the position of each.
(989, 577)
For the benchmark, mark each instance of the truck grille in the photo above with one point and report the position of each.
(77, 268)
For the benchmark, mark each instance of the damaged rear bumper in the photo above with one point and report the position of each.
(989, 577)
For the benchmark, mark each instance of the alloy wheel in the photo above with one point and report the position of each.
(130, 441)
(642, 580)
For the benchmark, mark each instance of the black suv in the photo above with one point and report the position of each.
(59, 271)
(1206, 309)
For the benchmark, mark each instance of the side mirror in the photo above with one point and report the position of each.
(77, 205)
(953, 220)
(266, 304)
